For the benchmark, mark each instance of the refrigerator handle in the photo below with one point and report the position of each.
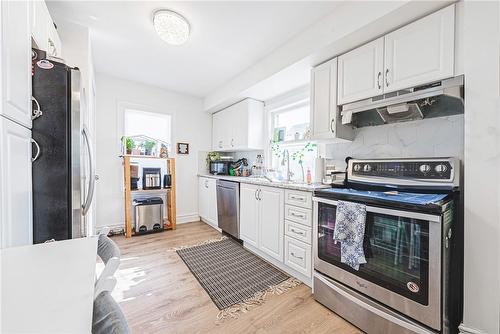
(37, 150)
(90, 193)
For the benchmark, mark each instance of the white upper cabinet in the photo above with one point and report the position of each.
(43, 31)
(418, 53)
(421, 52)
(16, 61)
(39, 27)
(325, 117)
(16, 208)
(360, 72)
(239, 127)
(321, 99)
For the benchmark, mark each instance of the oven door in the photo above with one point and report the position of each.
(403, 254)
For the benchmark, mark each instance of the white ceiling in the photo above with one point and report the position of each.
(226, 38)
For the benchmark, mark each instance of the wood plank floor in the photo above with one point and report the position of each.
(159, 294)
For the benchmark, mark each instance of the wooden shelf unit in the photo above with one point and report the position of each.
(170, 223)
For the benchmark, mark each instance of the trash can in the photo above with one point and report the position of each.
(148, 214)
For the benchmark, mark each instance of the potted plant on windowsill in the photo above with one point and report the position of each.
(129, 144)
(148, 147)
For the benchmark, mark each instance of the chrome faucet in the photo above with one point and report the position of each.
(286, 158)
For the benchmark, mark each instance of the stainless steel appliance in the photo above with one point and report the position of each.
(228, 207)
(148, 214)
(435, 99)
(151, 178)
(61, 194)
(412, 281)
(220, 167)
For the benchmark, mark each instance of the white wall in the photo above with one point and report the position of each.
(190, 124)
(482, 163)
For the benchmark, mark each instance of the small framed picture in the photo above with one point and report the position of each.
(182, 148)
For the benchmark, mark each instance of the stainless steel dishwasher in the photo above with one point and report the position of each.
(228, 207)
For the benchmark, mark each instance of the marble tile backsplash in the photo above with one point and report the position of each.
(434, 137)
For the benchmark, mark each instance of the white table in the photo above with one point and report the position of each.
(48, 288)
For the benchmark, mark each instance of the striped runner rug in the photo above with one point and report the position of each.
(234, 278)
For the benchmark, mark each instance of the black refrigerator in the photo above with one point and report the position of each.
(63, 160)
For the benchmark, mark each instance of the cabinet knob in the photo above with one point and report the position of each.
(379, 76)
(387, 77)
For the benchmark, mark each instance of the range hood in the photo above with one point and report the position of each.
(437, 99)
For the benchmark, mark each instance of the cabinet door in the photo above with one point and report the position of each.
(420, 52)
(16, 61)
(249, 214)
(235, 126)
(39, 28)
(216, 131)
(272, 224)
(298, 256)
(16, 210)
(54, 42)
(203, 198)
(324, 99)
(212, 201)
(360, 72)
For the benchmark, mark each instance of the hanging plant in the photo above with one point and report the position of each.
(275, 148)
(299, 155)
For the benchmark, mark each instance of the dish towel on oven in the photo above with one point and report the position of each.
(350, 231)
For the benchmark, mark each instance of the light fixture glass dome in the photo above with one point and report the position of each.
(172, 27)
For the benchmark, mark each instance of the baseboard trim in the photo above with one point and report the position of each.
(301, 277)
(181, 219)
(116, 228)
(188, 218)
(467, 330)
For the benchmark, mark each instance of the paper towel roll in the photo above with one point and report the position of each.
(319, 170)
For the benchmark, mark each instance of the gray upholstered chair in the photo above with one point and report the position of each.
(108, 317)
(110, 255)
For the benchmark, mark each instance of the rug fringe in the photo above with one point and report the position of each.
(257, 299)
(201, 243)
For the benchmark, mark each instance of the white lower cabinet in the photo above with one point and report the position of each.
(207, 200)
(261, 218)
(249, 214)
(298, 256)
(298, 231)
(276, 230)
(16, 208)
(271, 221)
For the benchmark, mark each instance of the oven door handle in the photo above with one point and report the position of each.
(390, 212)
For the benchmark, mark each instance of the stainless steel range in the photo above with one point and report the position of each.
(412, 279)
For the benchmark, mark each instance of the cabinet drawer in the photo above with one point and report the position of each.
(299, 198)
(298, 256)
(298, 215)
(297, 231)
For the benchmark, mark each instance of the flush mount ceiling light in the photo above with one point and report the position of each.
(172, 27)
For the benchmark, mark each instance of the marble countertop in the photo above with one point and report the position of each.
(265, 182)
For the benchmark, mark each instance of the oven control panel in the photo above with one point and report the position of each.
(404, 171)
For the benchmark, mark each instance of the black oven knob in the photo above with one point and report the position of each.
(441, 168)
(424, 168)
(367, 168)
(357, 167)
